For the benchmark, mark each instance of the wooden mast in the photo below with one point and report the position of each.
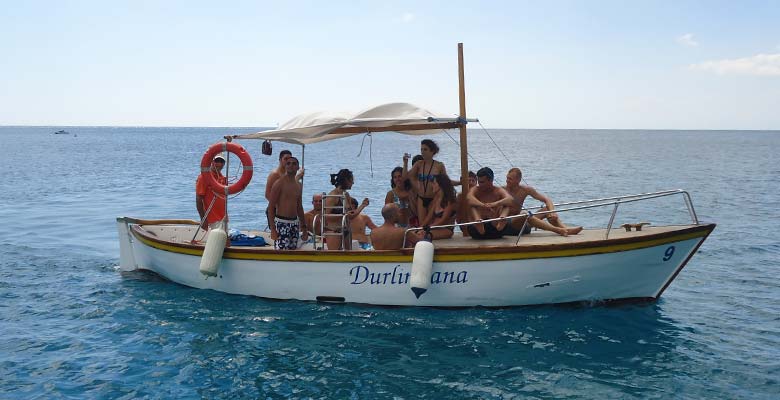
(464, 161)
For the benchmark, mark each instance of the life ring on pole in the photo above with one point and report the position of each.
(243, 156)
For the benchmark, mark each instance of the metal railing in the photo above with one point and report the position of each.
(581, 205)
(324, 216)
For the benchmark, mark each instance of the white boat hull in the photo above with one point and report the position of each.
(603, 272)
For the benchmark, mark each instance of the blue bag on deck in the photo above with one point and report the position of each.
(239, 239)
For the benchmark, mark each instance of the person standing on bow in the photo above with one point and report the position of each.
(285, 208)
(210, 204)
(423, 172)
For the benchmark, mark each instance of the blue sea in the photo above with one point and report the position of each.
(73, 326)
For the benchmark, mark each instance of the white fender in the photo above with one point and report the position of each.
(422, 265)
(212, 254)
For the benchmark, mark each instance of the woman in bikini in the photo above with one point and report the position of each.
(422, 175)
(443, 208)
(400, 194)
(342, 181)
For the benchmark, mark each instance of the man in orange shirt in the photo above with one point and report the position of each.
(204, 196)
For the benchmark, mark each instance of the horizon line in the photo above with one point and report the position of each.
(267, 128)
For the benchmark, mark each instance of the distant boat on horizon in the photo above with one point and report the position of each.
(62, 132)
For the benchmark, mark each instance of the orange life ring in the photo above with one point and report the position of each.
(243, 156)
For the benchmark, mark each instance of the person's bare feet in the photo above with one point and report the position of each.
(480, 227)
(574, 231)
(562, 231)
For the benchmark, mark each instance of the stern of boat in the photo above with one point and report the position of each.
(126, 257)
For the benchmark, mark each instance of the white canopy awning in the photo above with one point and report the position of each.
(321, 126)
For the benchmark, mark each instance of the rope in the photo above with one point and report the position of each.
(458, 144)
(370, 151)
(371, 154)
(202, 220)
(511, 164)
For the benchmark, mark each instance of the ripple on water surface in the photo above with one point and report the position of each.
(74, 327)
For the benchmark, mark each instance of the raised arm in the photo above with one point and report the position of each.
(412, 174)
(369, 223)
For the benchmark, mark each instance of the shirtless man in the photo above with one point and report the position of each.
(487, 201)
(358, 224)
(285, 208)
(463, 207)
(388, 236)
(277, 173)
(316, 202)
(519, 193)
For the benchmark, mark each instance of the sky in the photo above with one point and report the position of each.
(528, 64)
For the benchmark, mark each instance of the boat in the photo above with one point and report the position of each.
(633, 262)
(62, 132)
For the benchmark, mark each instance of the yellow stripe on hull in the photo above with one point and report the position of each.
(500, 254)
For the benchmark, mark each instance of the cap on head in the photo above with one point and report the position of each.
(219, 158)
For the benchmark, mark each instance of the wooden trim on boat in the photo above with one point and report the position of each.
(395, 128)
(488, 253)
(158, 221)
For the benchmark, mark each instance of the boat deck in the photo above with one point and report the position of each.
(183, 234)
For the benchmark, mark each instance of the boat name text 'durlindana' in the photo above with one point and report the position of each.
(362, 275)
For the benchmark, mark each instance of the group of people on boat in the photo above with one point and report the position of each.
(420, 195)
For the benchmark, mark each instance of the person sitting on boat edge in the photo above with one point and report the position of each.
(388, 236)
(519, 193)
(400, 194)
(487, 201)
(343, 181)
(316, 202)
(413, 220)
(358, 224)
(442, 210)
(209, 203)
(285, 207)
(461, 199)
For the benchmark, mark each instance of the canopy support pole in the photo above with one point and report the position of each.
(303, 165)
(464, 162)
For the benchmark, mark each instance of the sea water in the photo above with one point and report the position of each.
(73, 326)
